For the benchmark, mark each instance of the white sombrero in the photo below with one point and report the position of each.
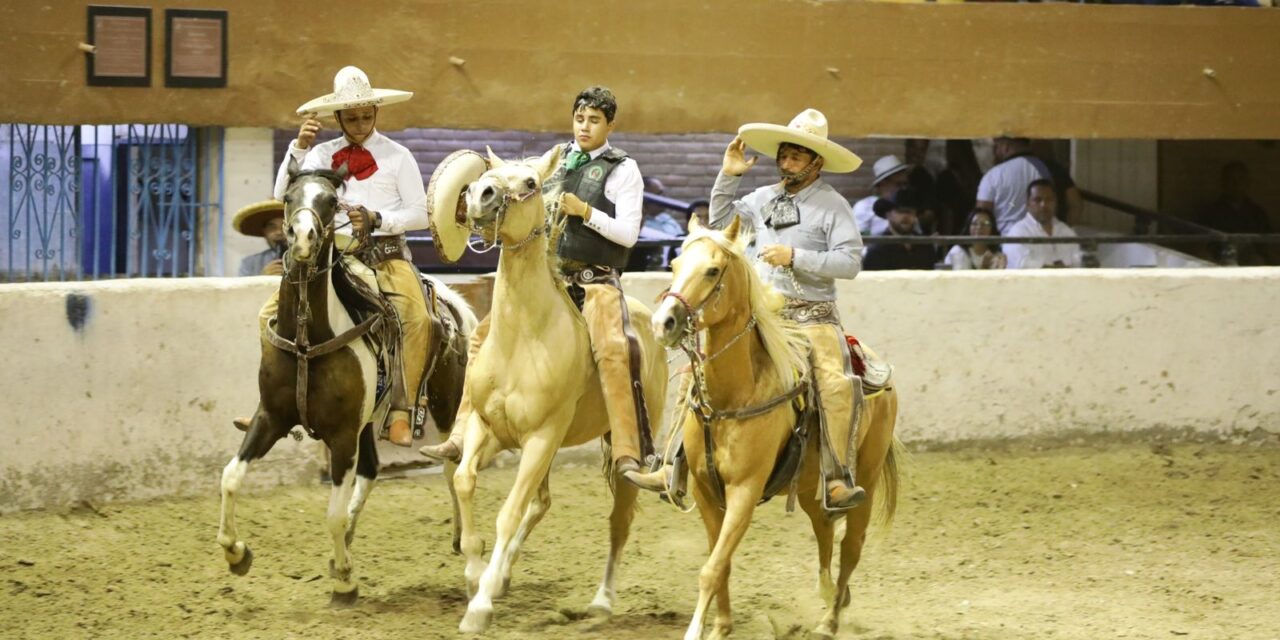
(351, 90)
(809, 130)
(448, 181)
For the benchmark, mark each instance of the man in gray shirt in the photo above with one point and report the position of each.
(266, 220)
(807, 238)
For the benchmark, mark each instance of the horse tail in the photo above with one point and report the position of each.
(889, 481)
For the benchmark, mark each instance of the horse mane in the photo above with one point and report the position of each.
(327, 174)
(787, 347)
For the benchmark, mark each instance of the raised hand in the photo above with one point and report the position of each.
(307, 132)
(735, 161)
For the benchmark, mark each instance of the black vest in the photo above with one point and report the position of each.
(579, 242)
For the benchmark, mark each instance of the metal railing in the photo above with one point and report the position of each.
(94, 202)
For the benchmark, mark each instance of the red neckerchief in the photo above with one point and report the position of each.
(360, 163)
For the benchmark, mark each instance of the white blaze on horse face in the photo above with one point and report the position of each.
(302, 231)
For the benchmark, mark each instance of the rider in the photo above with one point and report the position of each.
(383, 194)
(807, 237)
(603, 194)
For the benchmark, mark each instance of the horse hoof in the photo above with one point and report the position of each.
(242, 568)
(720, 633)
(344, 600)
(823, 633)
(600, 610)
(476, 620)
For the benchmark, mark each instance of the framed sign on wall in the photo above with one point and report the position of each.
(121, 39)
(195, 48)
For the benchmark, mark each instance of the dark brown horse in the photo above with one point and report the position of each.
(319, 369)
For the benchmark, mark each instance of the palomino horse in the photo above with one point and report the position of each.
(318, 371)
(757, 364)
(534, 385)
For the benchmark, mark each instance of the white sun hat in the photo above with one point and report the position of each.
(809, 130)
(351, 90)
(452, 176)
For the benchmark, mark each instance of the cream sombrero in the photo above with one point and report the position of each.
(809, 130)
(251, 219)
(351, 90)
(448, 181)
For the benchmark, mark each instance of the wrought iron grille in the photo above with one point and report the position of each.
(90, 202)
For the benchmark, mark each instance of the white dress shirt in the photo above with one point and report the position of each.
(1005, 187)
(869, 224)
(395, 190)
(625, 189)
(1035, 256)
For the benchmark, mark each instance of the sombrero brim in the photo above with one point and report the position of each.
(454, 174)
(251, 219)
(765, 138)
(327, 104)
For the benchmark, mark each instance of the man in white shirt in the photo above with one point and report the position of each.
(1003, 189)
(603, 195)
(384, 195)
(1041, 222)
(891, 174)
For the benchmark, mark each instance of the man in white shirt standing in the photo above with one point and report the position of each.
(891, 174)
(603, 195)
(1003, 189)
(384, 195)
(1040, 222)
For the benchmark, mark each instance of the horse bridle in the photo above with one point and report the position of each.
(500, 216)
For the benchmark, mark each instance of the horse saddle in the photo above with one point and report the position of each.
(868, 365)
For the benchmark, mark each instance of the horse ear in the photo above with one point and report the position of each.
(494, 160)
(342, 171)
(731, 231)
(293, 168)
(695, 225)
(546, 165)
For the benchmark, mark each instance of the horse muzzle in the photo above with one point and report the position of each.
(484, 199)
(671, 322)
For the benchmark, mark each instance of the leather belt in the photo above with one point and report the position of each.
(580, 273)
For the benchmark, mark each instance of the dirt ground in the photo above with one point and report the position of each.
(1085, 540)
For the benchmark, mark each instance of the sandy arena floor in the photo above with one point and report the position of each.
(1080, 541)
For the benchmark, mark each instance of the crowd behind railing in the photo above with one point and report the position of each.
(1017, 215)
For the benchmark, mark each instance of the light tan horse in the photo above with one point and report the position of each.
(534, 385)
(754, 358)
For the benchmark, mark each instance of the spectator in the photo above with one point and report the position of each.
(1235, 212)
(701, 209)
(266, 220)
(978, 255)
(890, 176)
(1070, 201)
(901, 215)
(1003, 189)
(920, 177)
(957, 185)
(1041, 222)
(657, 223)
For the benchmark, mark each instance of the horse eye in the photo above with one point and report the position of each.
(713, 272)
(332, 201)
(288, 199)
(531, 183)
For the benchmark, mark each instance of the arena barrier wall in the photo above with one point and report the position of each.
(124, 389)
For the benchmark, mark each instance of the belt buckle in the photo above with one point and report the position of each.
(387, 248)
(586, 276)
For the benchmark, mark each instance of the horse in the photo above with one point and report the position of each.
(533, 385)
(742, 392)
(319, 369)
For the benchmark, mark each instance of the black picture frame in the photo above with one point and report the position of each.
(184, 79)
(101, 74)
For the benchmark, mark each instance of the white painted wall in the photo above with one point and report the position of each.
(136, 403)
(249, 174)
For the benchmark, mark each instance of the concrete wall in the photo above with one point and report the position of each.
(1044, 70)
(135, 402)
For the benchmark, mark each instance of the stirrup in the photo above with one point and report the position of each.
(842, 497)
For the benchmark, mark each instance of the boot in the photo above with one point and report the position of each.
(446, 451)
(655, 480)
(400, 433)
(841, 496)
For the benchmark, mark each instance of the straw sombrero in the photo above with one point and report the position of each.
(251, 219)
(454, 174)
(351, 90)
(809, 130)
